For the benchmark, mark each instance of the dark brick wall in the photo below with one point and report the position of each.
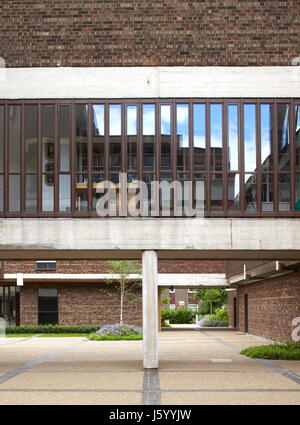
(98, 266)
(272, 305)
(157, 32)
(82, 304)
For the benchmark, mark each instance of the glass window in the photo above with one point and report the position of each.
(31, 193)
(64, 192)
(47, 306)
(297, 139)
(284, 195)
(283, 137)
(199, 137)
(98, 138)
(1, 193)
(14, 193)
(250, 137)
(182, 120)
(233, 192)
(266, 131)
(233, 138)
(48, 192)
(31, 134)
(81, 138)
(45, 265)
(131, 137)
(64, 137)
(216, 133)
(250, 192)
(149, 137)
(48, 138)
(216, 192)
(165, 136)
(115, 154)
(1, 137)
(267, 192)
(14, 138)
(297, 192)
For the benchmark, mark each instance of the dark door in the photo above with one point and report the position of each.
(234, 312)
(246, 312)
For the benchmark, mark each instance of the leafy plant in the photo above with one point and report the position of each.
(53, 329)
(211, 321)
(179, 316)
(124, 288)
(210, 299)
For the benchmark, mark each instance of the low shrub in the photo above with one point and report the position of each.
(221, 314)
(179, 316)
(119, 330)
(53, 329)
(290, 351)
(211, 321)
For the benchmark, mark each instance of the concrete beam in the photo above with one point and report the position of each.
(149, 82)
(127, 238)
(150, 310)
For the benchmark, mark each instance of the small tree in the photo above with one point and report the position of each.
(210, 299)
(125, 287)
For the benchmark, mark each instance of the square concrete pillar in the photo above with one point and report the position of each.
(150, 310)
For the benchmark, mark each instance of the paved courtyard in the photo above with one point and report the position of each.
(195, 367)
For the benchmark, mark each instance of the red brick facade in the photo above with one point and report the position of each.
(84, 303)
(160, 33)
(272, 305)
(81, 304)
(99, 266)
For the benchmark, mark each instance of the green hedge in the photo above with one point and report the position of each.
(179, 316)
(41, 329)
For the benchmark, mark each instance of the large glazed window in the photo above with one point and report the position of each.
(56, 154)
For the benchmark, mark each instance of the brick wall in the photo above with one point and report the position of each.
(98, 266)
(272, 305)
(136, 33)
(81, 304)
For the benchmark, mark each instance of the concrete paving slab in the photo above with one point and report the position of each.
(69, 398)
(81, 381)
(221, 380)
(232, 398)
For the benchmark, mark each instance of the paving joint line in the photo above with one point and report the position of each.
(151, 393)
(20, 340)
(11, 374)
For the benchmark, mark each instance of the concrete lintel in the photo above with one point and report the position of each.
(125, 238)
(149, 82)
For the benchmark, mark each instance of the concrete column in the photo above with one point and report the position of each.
(159, 291)
(150, 310)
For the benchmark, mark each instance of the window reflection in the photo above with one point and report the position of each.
(297, 136)
(233, 138)
(115, 146)
(297, 192)
(284, 195)
(266, 136)
(233, 192)
(250, 137)
(31, 193)
(165, 131)
(31, 134)
(283, 137)
(216, 134)
(149, 137)
(182, 120)
(250, 192)
(64, 134)
(132, 137)
(267, 192)
(216, 192)
(199, 137)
